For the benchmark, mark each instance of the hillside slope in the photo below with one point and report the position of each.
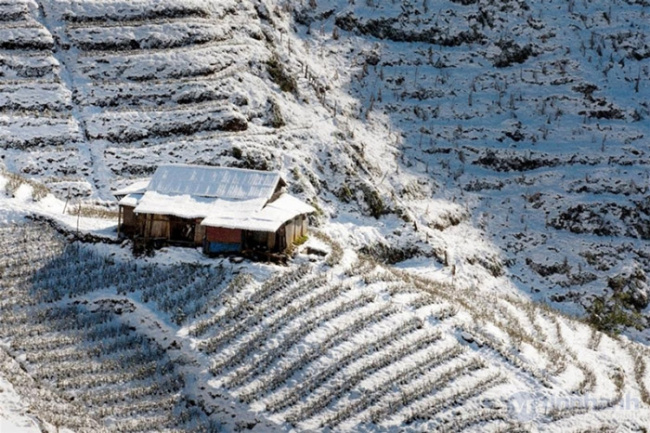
(94, 341)
(532, 116)
(509, 139)
(493, 152)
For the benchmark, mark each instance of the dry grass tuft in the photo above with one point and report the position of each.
(14, 181)
(92, 211)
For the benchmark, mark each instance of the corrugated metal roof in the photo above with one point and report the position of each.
(221, 182)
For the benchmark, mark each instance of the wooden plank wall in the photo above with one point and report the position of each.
(199, 233)
(216, 234)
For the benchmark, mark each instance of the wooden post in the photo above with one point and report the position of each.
(119, 220)
(78, 216)
(66, 201)
(147, 228)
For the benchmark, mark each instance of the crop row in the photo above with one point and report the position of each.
(48, 245)
(39, 133)
(15, 11)
(191, 298)
(73, 317)
(142, 423)
(308, 285)
(129, 127)
(10, 307)
(371, 396)
(34, 38)
(50, 357)
(467, 419)
(268, 383)
(504, 350)
(146, 36)
(423, 388)
(15, 316)
(46, 98)
(118, 393)
(17, 261)
(427, 300)
(286, 314)
(238, 308)
(373, 273)
(124, 11)
(29, 70)
(158, 94)
(294, 336)
(292, 395)
(456, 398)
(279, 283)
(142, 406)
(393, 354)
(46, 249)
(47, 341)
(201, 62)
(149, 280)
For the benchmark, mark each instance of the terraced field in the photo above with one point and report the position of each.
(345, 344)
(525, 122)
(500, 146)
(36, 108)
(382, 349)
(83, 361)
(532, 116)
(94, 92)
(157, 75)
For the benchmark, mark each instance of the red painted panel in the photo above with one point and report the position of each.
(216, 234)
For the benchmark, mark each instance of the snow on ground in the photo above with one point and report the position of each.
(500, 150)
(337, 341)
(14, 209)
(527, 117)
(13, 412)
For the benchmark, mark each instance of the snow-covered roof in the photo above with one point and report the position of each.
(224, 197)
(130, 199)
(221, 182)
(182, 205)
(139, 186)
(267, 219)
(232, 214)
(288, 205)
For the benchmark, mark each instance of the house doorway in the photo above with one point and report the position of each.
(181, 230)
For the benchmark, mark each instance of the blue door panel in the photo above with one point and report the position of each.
(222, 247)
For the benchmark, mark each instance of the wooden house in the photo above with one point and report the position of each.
(224, 210)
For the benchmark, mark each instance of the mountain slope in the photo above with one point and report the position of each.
(493, 152)
(108, 344)
(531, 115)
(523, 123)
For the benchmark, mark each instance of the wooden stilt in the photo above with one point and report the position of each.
(119, 220)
